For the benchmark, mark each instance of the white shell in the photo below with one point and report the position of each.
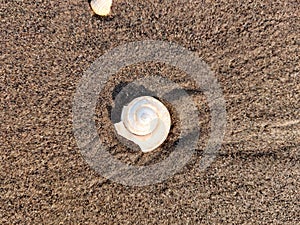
(146, 122)
(101, 7)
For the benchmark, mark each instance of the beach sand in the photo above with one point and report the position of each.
(251, 47)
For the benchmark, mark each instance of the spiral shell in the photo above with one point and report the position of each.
(101, 7)
(146, 122)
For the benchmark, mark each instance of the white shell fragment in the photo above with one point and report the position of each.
(101, 7)
(146, 122)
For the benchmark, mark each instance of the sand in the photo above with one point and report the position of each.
(251, 46)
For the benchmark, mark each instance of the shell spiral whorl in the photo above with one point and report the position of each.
(145, 121)
(140, 117)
